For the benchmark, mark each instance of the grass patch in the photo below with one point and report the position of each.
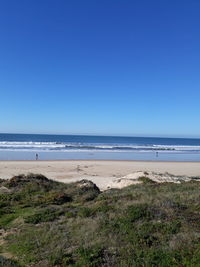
(54, 224)
(146, 180)
(43, 215)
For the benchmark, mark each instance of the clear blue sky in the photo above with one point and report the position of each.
(100, 67)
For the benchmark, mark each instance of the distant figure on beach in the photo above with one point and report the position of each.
(36, 156)
(156, 154)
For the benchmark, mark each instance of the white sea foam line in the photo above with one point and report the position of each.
(92, 147)
(25, 144)
(31, 146)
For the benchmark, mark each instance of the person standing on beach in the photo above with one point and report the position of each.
(36, 156)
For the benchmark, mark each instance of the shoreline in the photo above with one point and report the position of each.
(100, 156)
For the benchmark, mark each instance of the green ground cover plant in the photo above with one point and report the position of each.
(46, 223)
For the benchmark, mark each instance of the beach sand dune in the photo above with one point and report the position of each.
(106, 174)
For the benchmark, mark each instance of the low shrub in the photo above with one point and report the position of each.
(138, 212)
(43, 215)
(8, 262)
(146, 180)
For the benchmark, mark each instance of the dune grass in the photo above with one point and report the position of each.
(47, 223)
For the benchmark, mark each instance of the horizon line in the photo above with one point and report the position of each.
(103, 135)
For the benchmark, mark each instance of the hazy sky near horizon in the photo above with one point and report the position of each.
(100, 67)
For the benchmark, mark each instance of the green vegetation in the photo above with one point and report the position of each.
(46, 223)
(8, 262)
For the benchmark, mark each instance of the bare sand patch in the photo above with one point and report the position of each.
(105, 174)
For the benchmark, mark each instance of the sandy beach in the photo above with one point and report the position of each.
(102, 173)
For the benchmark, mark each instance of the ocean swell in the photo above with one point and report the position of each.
(64, 146)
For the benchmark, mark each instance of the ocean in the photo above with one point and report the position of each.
(55, 147)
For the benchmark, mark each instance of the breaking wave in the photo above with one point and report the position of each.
(70, 146)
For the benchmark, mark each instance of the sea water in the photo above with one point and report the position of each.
(55, 147)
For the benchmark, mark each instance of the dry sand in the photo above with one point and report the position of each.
(104, 173)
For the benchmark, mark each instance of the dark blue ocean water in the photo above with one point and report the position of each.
(25, 146)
